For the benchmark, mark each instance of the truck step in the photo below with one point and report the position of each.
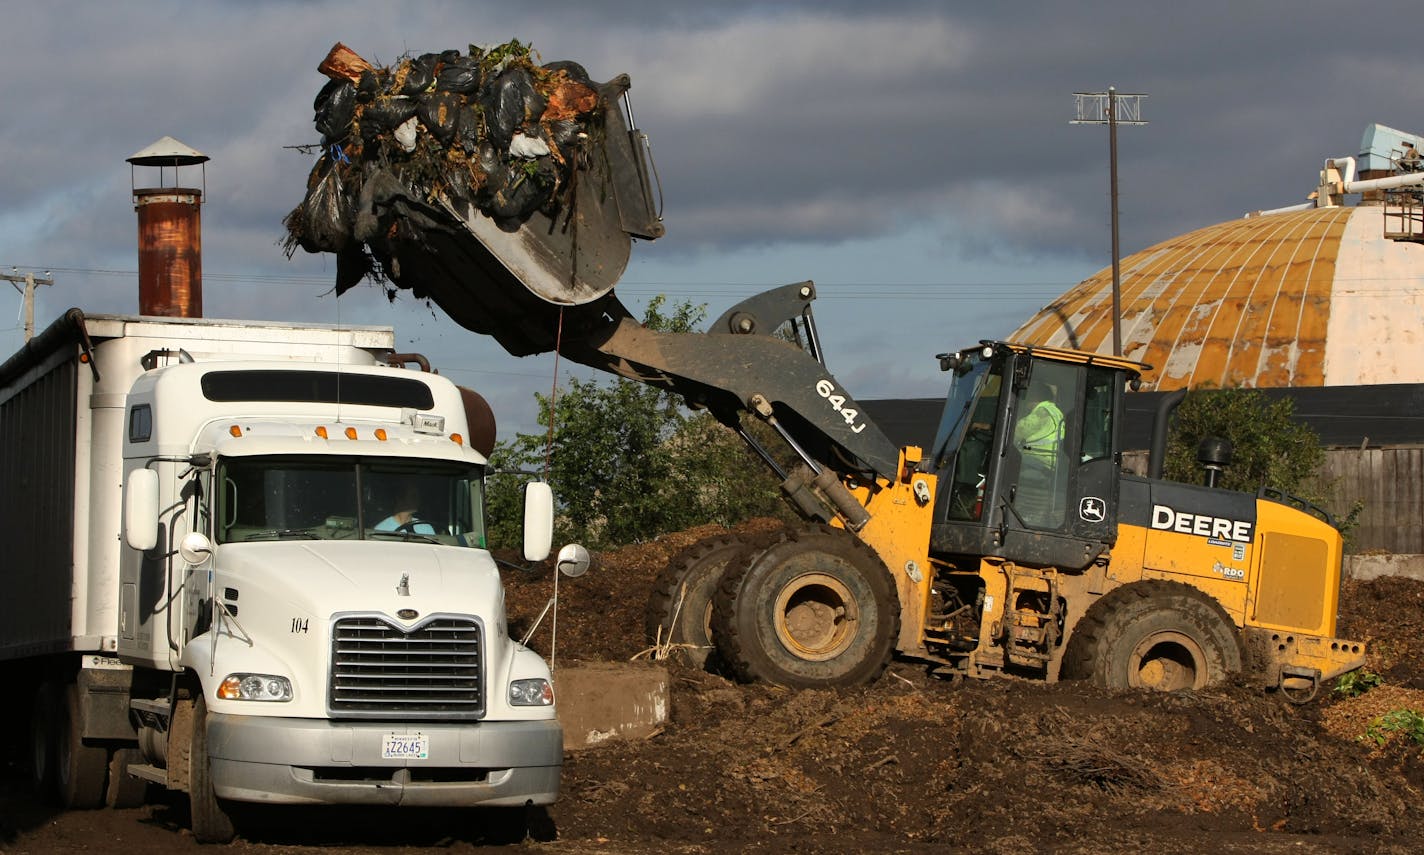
(149, 773)
(161, 706)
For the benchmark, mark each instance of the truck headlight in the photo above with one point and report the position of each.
(255, 687)
(531, 693)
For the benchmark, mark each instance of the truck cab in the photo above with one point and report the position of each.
(280, 588)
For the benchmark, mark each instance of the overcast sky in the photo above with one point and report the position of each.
(914, 158)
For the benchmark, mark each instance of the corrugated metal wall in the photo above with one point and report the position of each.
(37, 425)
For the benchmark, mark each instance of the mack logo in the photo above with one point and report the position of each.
(1202, 525)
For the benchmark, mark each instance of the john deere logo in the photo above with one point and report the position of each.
(1092, 509)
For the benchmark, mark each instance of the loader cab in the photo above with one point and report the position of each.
(1027, 453)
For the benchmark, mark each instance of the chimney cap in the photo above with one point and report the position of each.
(167, 152)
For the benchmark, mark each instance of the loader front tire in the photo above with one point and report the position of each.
(1156, 635)
(815, 609)
(679, 617)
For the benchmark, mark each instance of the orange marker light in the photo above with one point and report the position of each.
(234, 430)
(321, 431)
(381, 434)
(351, 433)
(457, 439)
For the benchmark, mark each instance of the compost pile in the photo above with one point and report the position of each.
(908, 764)
(920, 764)
(489, 130)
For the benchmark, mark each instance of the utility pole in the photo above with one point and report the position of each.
(30, 281)
(1111, 108)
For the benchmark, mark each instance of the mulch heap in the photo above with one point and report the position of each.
(919, 764)
(489, 128)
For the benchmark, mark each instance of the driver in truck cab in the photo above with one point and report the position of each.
(406, 514)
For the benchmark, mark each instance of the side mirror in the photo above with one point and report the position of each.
(195, 548)
(141, 509)
(538, 521)
(573, 560)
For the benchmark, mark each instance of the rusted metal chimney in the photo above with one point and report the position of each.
(170, 234)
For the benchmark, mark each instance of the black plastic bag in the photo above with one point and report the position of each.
(576, 72)
(369, 86)
(335, 106)
(386, 113)
(563, 134)
(440, 113)
(461, 76)
(510, 101)
(419, 75)
(517, 190)
(470, 128)
(324, 217)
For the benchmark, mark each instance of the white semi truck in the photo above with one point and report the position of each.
(247, 561)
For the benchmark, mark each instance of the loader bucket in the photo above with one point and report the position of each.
(510, 284)
(504, 191)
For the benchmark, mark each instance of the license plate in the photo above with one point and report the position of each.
(405, 746)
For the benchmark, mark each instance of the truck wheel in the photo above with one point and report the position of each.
(79, 769)
(680, 608)
(816, 608)
(211, 823)
(124, 790)
(44, 715)
(1163, 636)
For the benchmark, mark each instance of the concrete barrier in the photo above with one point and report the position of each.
(600, 701)
(1409, 566)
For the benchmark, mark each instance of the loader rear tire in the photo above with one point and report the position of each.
(1161, 636)
(680, 608)
(815, 609)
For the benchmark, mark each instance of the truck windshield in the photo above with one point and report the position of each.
(306, 498)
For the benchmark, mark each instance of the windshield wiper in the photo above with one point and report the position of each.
(405, 535)
(282, 533)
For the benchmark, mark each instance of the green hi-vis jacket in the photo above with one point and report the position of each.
(1040, 433)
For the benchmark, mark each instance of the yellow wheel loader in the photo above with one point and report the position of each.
(1015, 545)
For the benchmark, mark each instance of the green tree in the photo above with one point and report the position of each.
(628, 462)
(1268, 446)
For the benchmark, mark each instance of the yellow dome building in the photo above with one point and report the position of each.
(1325, 296)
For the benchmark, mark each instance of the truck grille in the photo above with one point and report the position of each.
(380, 670)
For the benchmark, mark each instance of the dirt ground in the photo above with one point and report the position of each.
(909, 764)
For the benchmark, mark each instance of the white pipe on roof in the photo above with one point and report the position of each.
(1409, 179)
(1346, 163)
(1303, 206)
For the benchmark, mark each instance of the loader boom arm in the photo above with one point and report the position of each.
(741, 366)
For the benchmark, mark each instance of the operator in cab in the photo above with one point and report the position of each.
(1038, 435)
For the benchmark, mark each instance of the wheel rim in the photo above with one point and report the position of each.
(1167, 662)
(815, 617)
